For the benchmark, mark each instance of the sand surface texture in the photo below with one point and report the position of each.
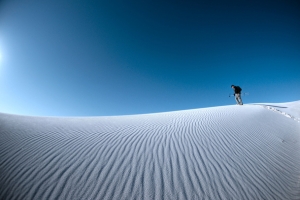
(229, 152)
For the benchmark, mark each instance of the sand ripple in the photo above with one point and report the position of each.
(232, 152)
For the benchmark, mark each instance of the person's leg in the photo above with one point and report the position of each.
(240, 99)
(237, 98)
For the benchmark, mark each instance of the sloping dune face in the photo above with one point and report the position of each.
(231, 152)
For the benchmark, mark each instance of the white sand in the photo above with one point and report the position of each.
(230, 152)
(290, 109)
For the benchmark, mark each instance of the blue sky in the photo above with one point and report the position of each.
(98, 58)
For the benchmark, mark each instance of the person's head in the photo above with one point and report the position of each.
(232, 86)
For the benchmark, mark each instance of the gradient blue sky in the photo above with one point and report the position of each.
(95, 58)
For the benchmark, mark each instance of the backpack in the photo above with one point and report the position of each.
(238, 89)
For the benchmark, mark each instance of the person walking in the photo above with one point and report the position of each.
(237, 94)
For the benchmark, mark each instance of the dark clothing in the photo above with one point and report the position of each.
(237, 94)
(237, 90)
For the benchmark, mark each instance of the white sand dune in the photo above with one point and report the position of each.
(229, 152)
(290, 109)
